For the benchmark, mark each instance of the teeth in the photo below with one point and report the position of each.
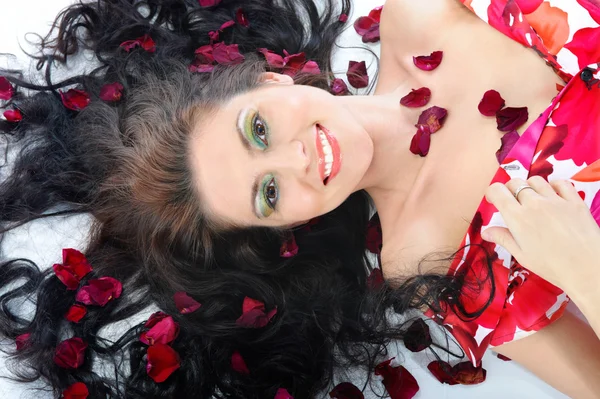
(328, 152)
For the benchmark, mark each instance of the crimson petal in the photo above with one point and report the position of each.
(74, 267)
(417, 336)
(289, 248)
(227, 24)
(398, 381)
(491, 103)
(184, 303)
(293, 63)
(273, 59)
(433, 118)
(343, 18)
(511, 118)
(227, 54)
(6, 89)
(376, 13)
(466, 374)
(75, 99)
(372, 35)
(201, 68)
(311, 67)
(99, 291)
(208, 3)
(429, 62)
(76, 391)
(238, 364)
(162, 361)
(375, 279)
(363, 24)
(442, 371)
(204, 54)
(508, 141)
(253, 314)
(339, 87)
(241, 18)
(346, 390)
(22, 341)
(144, 42)
(70, 353)
(13, 115)
(163, 331)
(214, 35)
(357, 74)
(76, 313)
(374, 235)
(421, 141)
(111, 92)
(283, 393)
(416, 98)
(502, 357)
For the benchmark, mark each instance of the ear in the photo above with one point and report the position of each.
(273, 77)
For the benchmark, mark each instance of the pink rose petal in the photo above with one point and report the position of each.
(363, 24)
(22, 341)
(343, 18)
(311, 67)
(227, 54)
(208, 3)
(273, 59)
(429, 62)
(6, 89)
(238, 364)
(111, 92)
(282, 393)
(185, 303)
(201, 68)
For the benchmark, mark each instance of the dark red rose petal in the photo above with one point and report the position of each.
(144, 42)
(346, 390)
(375, 279)
(13, 115)
(376, 13)
(372, 35)
(214, 35)
(502, 357)
(417, 336)
(293, 63)
(204, 55)
(253, 314)
(154, 319)
(6, 89)
(76, 313)
(74, 267)
(99, 291)
(273, 59)
(289, 248)
(357, 74)
(429, 62)
(311, 67)
(70, 353)
(111, 92)
(363, 24)
(75, 99)
(466, 374)
(421, 141)
(201, 68)
(184, 303)
(22, 341)
(241, 18)
(163, 331)
(442, 371)
(76, 391)
(374, 235)
(339, 87)
(227, 54)
(162, 361)
(283, 393)
(208, 3)
(343, 18)
(511, 118)
(238, 364)
(416, 98)
(398, 381)
(491, 103)
(559, 87)
(508, 141)
(433, 118)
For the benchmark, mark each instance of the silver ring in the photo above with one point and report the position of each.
(523, 187)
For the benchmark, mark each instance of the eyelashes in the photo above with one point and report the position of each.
(269, 194)
(256, 130)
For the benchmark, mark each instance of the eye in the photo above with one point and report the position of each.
(255, 129)
(259, 129)
(267, 200)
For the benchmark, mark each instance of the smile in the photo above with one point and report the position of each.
(330, 158)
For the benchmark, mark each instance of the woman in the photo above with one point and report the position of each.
(196, 180)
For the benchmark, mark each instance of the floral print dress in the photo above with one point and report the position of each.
(563, 143)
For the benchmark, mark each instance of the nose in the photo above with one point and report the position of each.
(291, 158)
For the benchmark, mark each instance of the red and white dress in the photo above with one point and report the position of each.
(563, 143)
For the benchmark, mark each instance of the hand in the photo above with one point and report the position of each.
(550, 231)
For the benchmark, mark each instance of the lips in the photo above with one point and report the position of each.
(329, 155)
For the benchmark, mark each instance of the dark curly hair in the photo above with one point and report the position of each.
(125, 163)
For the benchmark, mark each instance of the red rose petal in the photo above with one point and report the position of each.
(416, 98)
(111, 92)
(363, 24)
(442, 371)
(204, 54)
(374, 235)
(227, 54)
(208, 3)
(155, 318)
(491, 103)
(293, 63)
(511, 118)
(311, 67)
(163, 331)
(13, 115)
(429, 62)
(398, 381)
(75, 99)
(421, 141)
(433, 118)
(6, 89)
(372, 35)
(508, 141)
(214, 35)
(273, 59)
(144, 42)
(289, 248)
(238, 364)
(99, 291)
(162, 361)
(201, 68)
(375, 279)
(76, 391)
(376, 13)
(343, 18)
(559, 87)
(74, 267)
(22, 341)
(253, 314)
(502, 357)
(417, 336)
(466, 374)
(282, 393)
(76, 313)
(70, 353)
(357, 74)
(184, 303)
(346, 390)
(251, 304)
(241, 18)
(227, 24)
(339, 87)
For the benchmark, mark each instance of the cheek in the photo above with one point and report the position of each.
(303, 203)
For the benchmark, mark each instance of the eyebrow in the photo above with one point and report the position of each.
(248, 147)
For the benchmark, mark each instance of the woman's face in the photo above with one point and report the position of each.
(278, 155)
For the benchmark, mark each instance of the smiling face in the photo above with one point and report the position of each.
(278, 155)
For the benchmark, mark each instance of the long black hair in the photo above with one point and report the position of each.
(124, 162)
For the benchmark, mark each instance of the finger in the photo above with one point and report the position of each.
(566, 190)
(503, 237)
(501, 197)
(515, 184)
(541, 186)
